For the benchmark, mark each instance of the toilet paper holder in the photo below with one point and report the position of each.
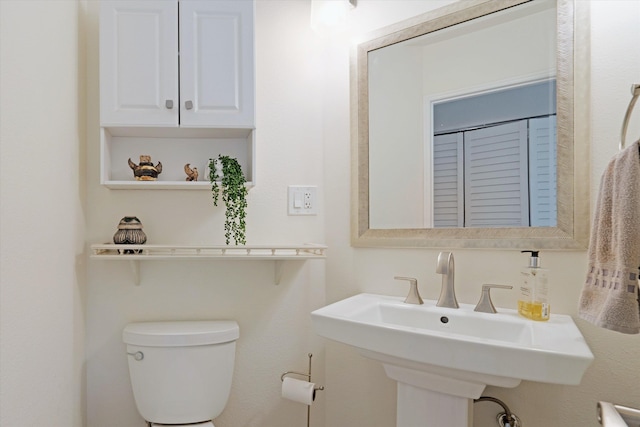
(308, 377)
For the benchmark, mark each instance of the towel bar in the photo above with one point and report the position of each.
(635, 92)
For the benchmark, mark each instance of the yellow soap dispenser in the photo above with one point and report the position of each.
(534, 291)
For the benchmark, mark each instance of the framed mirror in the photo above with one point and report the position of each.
(463, 130)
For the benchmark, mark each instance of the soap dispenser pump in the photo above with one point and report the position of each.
(534, 291)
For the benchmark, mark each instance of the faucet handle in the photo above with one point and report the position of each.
(485, 305)
(414, 295)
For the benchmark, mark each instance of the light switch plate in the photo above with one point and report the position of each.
(302, 200)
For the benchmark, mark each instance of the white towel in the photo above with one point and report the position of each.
(610, 294)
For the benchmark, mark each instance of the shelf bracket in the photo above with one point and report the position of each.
(135, 270)
(278, 271)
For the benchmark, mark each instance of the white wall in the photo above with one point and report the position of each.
(358, 391)
(275, 330)
(41, 220)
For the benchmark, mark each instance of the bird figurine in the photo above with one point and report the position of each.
(145, 171)
(192, 173)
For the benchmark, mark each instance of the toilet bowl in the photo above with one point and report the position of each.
(181, 371)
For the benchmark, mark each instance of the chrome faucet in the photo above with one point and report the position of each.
(446, 267)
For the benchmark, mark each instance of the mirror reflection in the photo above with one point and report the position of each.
(408, 83)
(462, 124)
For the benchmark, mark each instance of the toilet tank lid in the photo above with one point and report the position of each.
(181, 333)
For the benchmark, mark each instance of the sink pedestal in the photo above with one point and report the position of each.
(426, 408)
(430, 396)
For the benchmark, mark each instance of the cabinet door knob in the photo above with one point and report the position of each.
(188, 105)
(169, 104)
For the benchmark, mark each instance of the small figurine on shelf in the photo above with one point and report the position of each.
(145, 171)
(192, 173)
(130, 233)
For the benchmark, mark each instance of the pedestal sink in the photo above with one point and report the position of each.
(443, 358)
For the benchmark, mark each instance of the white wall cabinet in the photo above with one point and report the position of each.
(177, 63)
(181, 64)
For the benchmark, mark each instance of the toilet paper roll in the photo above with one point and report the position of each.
(298, 390)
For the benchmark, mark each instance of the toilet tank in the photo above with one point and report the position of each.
(181, 371)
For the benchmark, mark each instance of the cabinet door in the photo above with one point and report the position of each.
(448, 180)
(496, 175)
(139, 63)
(216, 63)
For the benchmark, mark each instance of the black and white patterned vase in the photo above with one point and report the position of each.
(130, 233)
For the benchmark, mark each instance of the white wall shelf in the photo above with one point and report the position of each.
(162, 185)
(277, 253)
(174, 147)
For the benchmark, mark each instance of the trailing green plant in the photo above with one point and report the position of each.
(234, 195)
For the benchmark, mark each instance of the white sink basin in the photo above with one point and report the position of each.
(502, 344)
(456, 352)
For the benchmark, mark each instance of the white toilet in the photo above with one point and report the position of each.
(181, 371)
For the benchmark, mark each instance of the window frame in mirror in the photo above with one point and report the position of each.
(572, 230)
